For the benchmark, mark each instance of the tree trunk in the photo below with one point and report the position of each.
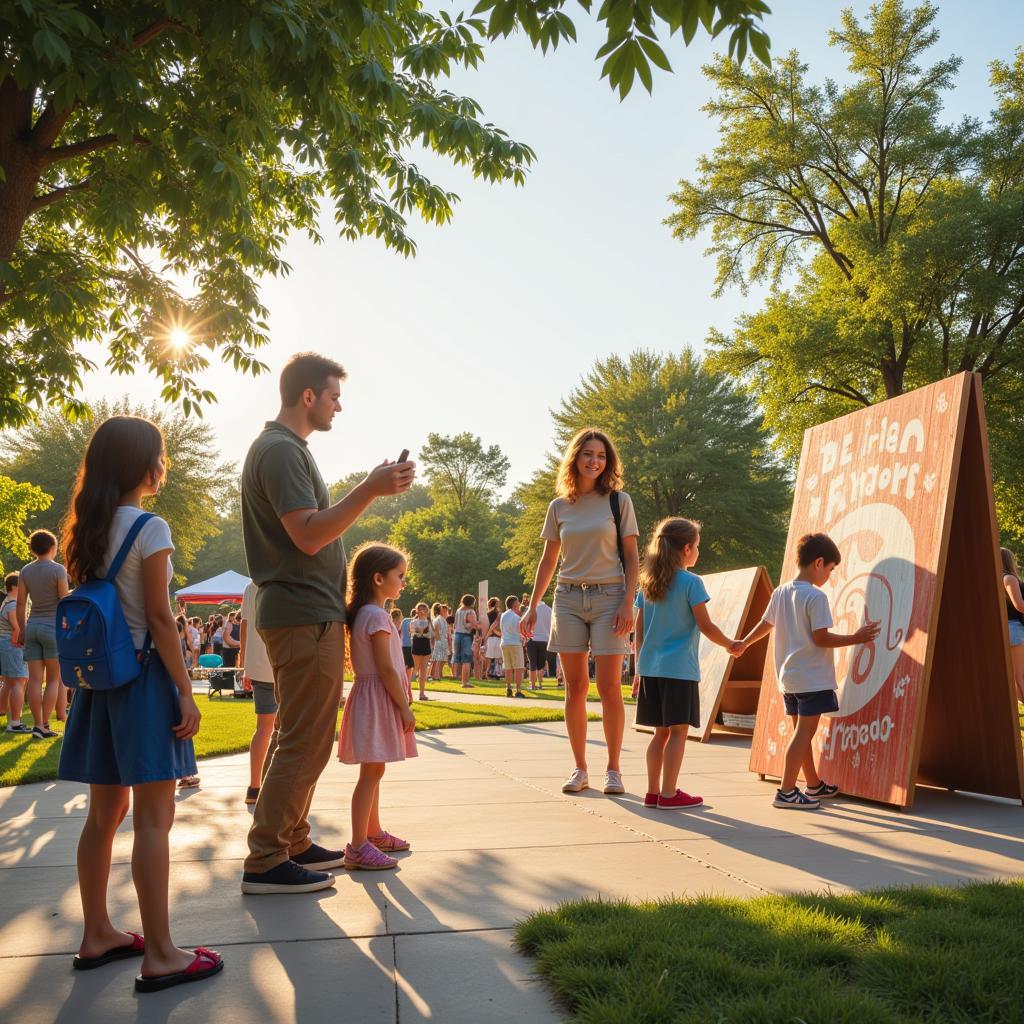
(21, 164)
(892, 377)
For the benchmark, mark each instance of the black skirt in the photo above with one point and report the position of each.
(664, 702)
(421, 646)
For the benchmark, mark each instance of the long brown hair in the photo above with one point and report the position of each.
(121, 453)
(369, 558)
(566, 484)
(1009, 562)
(661, 562)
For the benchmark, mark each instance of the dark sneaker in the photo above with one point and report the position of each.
(252, 794)
(286, 877)
(520, 694)
(41, 733)
(21, 728)
(794, 800)
(508, 691)
(316, 858)
(822, 791)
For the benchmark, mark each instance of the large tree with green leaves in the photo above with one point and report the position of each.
(691, 443)
(18, 502)
(196, 492)
(461, 470)
(155, 154)
(451, 549)
(892, 239)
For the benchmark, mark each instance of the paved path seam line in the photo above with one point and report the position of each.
(636, 831)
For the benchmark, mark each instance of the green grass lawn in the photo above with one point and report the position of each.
(227, 728)
(892, 956)
(496, 688)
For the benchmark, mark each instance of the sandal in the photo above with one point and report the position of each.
(134, 948)
(188, 782)
(206, 963)
(387, 843)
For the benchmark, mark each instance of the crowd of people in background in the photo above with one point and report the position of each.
(484, 647)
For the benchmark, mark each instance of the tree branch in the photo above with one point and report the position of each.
(150, 33)
(86, 146)
(41, 202)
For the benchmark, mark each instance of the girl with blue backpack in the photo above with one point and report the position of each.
(131, 724)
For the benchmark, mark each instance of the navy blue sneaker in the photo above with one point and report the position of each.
(823, 790)
(316, 858)
(286, 877)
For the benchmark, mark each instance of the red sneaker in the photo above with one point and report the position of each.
(650, 800)
(681, 799)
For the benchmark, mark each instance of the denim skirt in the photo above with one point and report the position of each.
(123, 737)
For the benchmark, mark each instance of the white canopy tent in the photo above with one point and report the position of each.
(228, 586)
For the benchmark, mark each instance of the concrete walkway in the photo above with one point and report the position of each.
(493, 839)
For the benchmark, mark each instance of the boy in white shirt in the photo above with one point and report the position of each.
(512, 648)
(804, 665)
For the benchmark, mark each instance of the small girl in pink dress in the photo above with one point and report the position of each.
(378, 724)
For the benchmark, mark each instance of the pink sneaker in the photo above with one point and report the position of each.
(389, 843)
(681, 799)
(368, 858)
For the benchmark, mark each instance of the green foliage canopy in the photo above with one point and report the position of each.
(18, 502)
(691, 443)
(47, 453)
(451, 549)
(459, 468)
(893, 241)
(155, 154)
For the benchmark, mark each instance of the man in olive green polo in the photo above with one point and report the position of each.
(293, 547)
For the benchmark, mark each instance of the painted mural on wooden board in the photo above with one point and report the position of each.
(879, 483)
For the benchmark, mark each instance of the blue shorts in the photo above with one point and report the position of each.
(12, 660)
(123, 737)
(1016, 632)
(463, 649)
(818, 702)
(40, 639)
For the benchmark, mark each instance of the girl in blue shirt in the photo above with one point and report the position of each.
(671, 614)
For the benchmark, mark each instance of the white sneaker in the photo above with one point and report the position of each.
(613, 783)
(577, 782)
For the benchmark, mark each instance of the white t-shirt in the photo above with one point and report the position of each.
(257, 664)
(193, 635)
(542, 625)
(510, 635)
(796, 610)
(153, 537)
(585, 528)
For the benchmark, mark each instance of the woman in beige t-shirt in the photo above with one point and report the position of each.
(593, 605)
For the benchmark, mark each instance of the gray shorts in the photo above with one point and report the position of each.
(263, 698)
(12, 660)
(40, 639)
(583, 617)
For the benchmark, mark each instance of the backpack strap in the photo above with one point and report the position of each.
(617, 516)
(126, 546)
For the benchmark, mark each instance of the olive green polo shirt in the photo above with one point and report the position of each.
(295, 589)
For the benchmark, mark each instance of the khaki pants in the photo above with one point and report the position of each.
(308, 663)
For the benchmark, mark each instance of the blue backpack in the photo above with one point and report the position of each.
(94, 645)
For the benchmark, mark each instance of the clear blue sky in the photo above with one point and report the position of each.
(499, 314)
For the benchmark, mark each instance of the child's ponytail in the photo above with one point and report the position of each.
(661, 562)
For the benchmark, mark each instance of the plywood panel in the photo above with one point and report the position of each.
(738, 598)
(882, 483)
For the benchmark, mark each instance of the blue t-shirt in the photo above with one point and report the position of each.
(406, 638)
(671, 636)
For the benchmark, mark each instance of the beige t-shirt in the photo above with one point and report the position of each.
(586, 530)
